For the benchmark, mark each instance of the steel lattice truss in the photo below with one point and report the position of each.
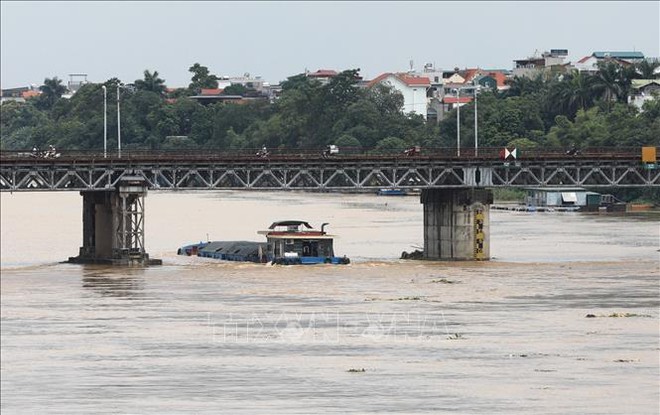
(328, 175)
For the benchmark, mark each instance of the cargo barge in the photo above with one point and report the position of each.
(288, 242)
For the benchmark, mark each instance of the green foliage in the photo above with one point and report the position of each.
(51, 91)
(201, 78)
(151, 82)
(554, 110)
(391, 145)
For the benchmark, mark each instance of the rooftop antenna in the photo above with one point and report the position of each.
(411, 65)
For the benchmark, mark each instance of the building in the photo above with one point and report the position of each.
(20, 94)
(552, 61)
(413, 89)
(561, 197)
(322, 75)
(212, 95)
(643, 90)
(590, 63)
(249, 82)
(628, 56)
(76, 81)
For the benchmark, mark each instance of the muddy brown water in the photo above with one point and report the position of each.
(379, 335)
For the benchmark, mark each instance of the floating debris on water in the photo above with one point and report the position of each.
(356, 370)
(443, 281)
(617, 315)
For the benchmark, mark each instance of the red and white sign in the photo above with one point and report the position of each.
(506, 154)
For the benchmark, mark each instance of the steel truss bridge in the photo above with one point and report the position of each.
(311, 171)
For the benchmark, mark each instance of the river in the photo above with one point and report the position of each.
(197, 336)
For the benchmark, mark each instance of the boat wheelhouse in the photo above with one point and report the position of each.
(297, 242)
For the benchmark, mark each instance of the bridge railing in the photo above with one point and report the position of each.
(346, 153)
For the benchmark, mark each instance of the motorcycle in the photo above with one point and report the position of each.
(263, 153)
(330, 150)
(412, 151)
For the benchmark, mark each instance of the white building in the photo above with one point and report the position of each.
(413, 89)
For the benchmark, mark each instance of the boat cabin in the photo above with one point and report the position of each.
(297, 241)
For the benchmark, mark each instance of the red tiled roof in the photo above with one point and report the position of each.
(415, 80)
(500, 78)
(406, 79)
(30, 94)
(468, 74)
(211, 91)
(378, 79)
(323, 73)
(454, 100)
(583, 60)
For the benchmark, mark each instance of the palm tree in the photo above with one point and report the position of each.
(575, 92)
(522, 85)
(51, 91)
(607, 83)
(646, 69)
(151, 82)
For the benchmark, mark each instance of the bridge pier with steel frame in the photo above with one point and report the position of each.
(113, 225)
(456, 224)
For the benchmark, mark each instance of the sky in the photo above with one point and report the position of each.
(275, 40)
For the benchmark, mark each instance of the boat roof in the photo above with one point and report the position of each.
(290, 223)
(297, 235)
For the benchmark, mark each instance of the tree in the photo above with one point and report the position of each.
(201, 78)
(151, 82)
(388, 100)
(575, 92)
(391, 145)
(607, 83)
(522, 85)
(51, 91)
(646, 69)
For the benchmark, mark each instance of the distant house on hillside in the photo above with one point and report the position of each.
(413, 89)
(322, 75)
(644, 90)
(590, 63)
(552, 61)
(628, 56)
(213, 95)
(20, 94)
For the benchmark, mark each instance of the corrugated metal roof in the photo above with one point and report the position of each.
(619, 55)
(640, 83)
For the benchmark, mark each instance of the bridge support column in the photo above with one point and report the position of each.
(457, 224)
(113, 225)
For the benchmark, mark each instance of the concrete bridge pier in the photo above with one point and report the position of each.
(113, 225)
(457, 224)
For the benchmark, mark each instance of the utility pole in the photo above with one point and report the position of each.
(105, 122)
(118, 126)
(458, 122)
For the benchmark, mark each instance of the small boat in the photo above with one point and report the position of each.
(288, 242)
(392, 192)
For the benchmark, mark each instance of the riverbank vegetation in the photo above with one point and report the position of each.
(551, 111)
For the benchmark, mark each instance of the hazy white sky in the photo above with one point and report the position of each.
(280, 39)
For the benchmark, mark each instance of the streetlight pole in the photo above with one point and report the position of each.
(118, 126)
(476, 131)
(458, 122)
(105, 122)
